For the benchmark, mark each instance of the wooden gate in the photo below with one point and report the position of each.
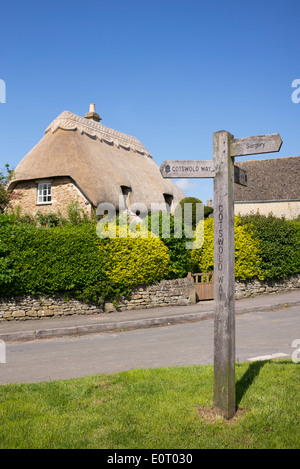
(204, 285)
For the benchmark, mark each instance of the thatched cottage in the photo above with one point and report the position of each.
(80, 159)
(273, 186)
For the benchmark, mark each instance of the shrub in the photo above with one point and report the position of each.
(134, 259)
(163, 226)
(247, 252)
(48, 219)
(76, 214)
(193, 201)
(279, 244)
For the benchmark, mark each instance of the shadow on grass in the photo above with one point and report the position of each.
(251, 374)
(247, 379)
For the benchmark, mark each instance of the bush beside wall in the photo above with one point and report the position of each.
(165, 293)
(279, 241)
(72, 262)
(266, 248)
(247, 252)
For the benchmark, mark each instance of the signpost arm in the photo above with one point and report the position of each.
(224, 276)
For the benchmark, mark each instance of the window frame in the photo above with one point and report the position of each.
(44, 198)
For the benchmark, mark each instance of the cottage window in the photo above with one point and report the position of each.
(168, 199)
(125, 196)
(44, 193)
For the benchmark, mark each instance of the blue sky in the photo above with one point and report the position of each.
(168, 72)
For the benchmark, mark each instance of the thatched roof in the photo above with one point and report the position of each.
(99, 160)
(270, 179)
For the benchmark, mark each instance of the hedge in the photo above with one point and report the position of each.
(135, 257)
(72, 260)
(266, 247)
(163, 226)
(247, 252)
(279, 241)
(47, 261)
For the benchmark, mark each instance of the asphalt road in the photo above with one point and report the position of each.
(258, 334)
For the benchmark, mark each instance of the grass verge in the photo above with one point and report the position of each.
(154, 409)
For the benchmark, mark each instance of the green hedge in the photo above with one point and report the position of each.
(163, 226)
(266, 247)
(279, 241)
(134, 257)
(72, 260)
(247, 252)
(46, 261)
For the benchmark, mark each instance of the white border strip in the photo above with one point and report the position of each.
(267, 357)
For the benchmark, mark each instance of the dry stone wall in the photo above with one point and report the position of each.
(256, 287)
(28, 307)
(166, 293)
(178, 292)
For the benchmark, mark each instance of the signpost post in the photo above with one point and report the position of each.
(224, 278)
(225, 174)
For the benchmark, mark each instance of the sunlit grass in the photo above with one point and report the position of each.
(157, 409)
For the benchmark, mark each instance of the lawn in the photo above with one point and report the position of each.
(167, 408)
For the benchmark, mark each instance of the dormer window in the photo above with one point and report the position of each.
(125, 196)
(44, 193)
(168, 199)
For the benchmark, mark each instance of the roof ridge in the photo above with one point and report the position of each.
(69, 121)
(269, 159)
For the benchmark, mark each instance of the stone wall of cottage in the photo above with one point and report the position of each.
(64, 191)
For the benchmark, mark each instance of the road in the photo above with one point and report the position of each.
(257, 334)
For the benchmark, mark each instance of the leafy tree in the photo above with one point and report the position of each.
(6, 195)
(193, 201)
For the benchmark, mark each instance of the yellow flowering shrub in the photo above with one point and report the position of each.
(247, 252)
(135, 257)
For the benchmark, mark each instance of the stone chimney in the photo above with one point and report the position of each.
(92, 114)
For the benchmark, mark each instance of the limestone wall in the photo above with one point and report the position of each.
(256, 287)
(165, 293)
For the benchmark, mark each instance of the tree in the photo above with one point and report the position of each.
(6, 194)
(193, 201)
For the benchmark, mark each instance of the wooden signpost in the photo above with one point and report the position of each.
(225, 174)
